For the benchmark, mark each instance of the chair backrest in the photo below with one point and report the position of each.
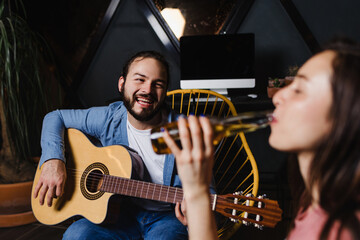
(235, 168)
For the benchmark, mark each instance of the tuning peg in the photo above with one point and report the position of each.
(236, 200)
(259, 202)
(261, 227)
(246, 223)
(239, 193)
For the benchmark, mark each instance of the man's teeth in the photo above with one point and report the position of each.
(145, 100)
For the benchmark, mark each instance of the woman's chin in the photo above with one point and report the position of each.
(278, 144)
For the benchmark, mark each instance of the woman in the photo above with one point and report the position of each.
(317, 118)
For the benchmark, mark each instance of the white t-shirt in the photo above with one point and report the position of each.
(139, 140)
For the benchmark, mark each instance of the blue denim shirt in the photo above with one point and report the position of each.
(107, 124)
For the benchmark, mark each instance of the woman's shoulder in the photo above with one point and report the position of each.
(309, 225)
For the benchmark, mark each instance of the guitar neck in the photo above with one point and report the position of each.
(140, 189)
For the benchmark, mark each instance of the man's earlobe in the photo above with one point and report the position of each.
(121, 83)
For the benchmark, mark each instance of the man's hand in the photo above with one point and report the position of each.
(51, 182)
(181, 213)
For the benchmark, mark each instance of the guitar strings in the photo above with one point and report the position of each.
(116, 179)
(116, 182)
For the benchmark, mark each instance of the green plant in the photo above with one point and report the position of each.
(292, 70)
(23, 74)
(276, 83)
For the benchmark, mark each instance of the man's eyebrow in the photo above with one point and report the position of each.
(161, 80)
(144, 76)
(141, 75)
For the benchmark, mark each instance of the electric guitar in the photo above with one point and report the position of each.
(94, 174)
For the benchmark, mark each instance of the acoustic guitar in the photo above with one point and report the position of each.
(95, 174)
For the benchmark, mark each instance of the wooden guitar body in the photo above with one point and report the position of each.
(82, 196)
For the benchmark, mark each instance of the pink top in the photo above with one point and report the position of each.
(309, 224)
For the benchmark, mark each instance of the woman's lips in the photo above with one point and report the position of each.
(274, 119)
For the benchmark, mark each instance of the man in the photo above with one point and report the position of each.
(143, 88)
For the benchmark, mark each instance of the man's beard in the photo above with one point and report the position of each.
(146, 114)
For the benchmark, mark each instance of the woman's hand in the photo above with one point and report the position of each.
(195, 160)
(194, 163)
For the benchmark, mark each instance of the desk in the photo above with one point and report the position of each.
(247, 104)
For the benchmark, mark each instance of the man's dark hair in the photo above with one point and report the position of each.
(148, 54)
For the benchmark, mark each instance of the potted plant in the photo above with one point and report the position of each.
(291, 73)
(24, 76)
(274, 84)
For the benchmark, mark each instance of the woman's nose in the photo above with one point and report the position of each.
(278, 98)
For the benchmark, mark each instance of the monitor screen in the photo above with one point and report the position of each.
(217, 61)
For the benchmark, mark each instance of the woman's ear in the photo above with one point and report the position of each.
(121, 83)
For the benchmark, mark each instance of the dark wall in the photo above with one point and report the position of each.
(328, 18)
(128, 33)
(278, 43)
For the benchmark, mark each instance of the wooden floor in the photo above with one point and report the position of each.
(34, 231)
(37, 231)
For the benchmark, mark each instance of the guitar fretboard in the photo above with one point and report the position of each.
(140, 189)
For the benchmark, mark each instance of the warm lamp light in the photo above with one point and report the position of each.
(175, 20)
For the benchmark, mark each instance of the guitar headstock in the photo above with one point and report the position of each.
(258, 211)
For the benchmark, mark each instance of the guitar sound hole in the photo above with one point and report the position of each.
(93, 181)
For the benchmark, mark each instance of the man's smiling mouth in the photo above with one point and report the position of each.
(144, 101)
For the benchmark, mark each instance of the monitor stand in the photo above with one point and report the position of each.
(222, 91)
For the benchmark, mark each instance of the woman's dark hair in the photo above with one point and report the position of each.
(147, 54)
(335, 169)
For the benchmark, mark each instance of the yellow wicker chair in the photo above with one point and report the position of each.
(235, 167)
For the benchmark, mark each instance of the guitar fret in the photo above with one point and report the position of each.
(148, 185)
(136, 193)
(167, 194)
(175, 195)
(160, 193)
(153, 193)
(120, 187)
(113, 184)
(131, 188)
(127, 187)
(103, 185)
(109, 183)
(142, 189)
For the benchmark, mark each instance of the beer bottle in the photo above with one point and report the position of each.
(223, 127)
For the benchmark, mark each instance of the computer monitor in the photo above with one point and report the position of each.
(217, 62)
